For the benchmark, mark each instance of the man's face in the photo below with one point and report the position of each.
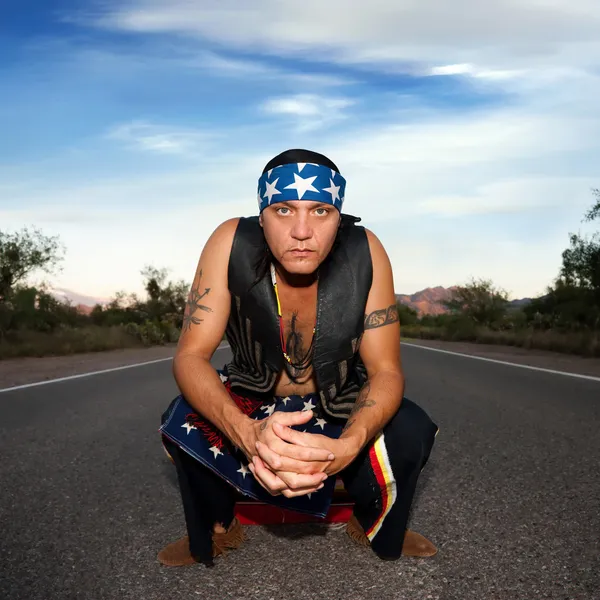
(300, 233)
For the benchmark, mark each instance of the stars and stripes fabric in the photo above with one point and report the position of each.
(203, 441)
(301, 181)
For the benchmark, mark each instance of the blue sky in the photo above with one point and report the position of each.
(468, 132)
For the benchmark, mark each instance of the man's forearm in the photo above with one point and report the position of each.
(377, 402)
(204, 391)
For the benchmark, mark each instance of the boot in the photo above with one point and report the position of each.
(414, 543)
(177, 554)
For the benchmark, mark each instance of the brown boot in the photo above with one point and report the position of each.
(414, 543)
(178, 553)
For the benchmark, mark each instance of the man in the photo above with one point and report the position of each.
(315, 389)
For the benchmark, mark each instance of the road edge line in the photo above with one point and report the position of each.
(90, 373)
(503, 362)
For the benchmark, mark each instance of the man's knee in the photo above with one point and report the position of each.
(412, 433)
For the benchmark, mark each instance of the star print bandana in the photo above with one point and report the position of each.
(202, 440)
(301, 181)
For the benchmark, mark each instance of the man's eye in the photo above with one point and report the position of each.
(282, 208)
(322, 211)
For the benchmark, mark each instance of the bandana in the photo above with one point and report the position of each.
(301, 181)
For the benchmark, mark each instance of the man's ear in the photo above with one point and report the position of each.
(260, 219)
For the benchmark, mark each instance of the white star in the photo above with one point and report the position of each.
(224, 378)
(308, 405)
(333, 174)
(269, 172)
(271, 190)
(309, 496)
(302, 185)
(321, 423)
(244, 470)
(215, 451)
(334, 190)
(269, 410)
(302, 165)
(189, 427)
(285, 400)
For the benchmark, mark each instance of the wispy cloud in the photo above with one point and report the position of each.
(501, 33)
(309, 110)
(148, 137)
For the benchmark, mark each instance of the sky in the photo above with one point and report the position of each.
(468, 132)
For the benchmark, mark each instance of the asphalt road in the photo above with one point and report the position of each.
(511, 496)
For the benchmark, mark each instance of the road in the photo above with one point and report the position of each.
(510, 496)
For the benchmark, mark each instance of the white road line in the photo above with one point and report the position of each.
(88, 374)
(503, 362)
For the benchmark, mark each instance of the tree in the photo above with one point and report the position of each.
(479, 301)
(573, 302)
(594, 212)
(166, 299)
(581, 261)
(21, 254)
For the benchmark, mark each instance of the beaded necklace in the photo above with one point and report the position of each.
(304, 362)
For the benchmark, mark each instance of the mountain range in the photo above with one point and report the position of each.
(425, 302)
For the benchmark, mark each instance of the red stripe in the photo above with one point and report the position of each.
(382, 485)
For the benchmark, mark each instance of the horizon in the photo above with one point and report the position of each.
(469, 146)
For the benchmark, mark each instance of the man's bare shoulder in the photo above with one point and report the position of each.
(221, 239)
(376, 247)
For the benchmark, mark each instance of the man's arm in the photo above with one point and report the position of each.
(380, 397)
(204, 323)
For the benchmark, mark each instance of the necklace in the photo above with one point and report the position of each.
(306, 360)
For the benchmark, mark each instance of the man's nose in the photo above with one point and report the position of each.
(302, 229)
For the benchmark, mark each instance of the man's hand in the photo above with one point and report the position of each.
(309, 460)
(343, 451)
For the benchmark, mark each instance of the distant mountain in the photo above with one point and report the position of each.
(429, 301)
(83, 303)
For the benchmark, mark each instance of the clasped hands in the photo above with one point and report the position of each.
(289, 462)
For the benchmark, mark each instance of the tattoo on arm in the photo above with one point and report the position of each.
(381, 317)
(362, 401)
(263, 426)
(193, 304)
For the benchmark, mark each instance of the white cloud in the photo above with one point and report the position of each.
(310, 110)
(501, 34)
(148, 137)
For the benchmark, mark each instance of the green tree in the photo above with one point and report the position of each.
(408, 315)
(480, 302)
(573, 301)
(581, 261)
(21, 254)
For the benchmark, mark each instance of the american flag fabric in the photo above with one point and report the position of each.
(301, 181)
(202, 440)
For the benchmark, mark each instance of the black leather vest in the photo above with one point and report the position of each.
(345, 278)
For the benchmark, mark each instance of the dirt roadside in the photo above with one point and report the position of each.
(21, 371)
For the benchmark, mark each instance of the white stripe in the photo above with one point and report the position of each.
(390, 485)
(503, 362)
(150, 362)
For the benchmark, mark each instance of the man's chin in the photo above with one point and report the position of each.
(301, 265)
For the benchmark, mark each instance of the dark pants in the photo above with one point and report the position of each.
(381, 482)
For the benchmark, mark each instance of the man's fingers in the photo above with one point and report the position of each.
(296, 481)
(302, 453)
(304, 464)
(270, 458)
(273, 484)
(292, 418)
(292, 436)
